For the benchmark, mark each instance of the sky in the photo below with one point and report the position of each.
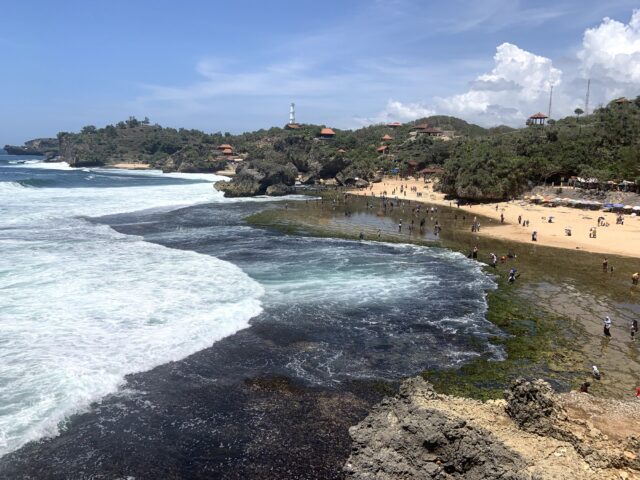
(236, 66)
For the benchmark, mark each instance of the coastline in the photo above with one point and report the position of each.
(130, 166)
(552, 314)
(612, 240)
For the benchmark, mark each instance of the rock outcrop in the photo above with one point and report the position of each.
(419, 434)
(260, 178)
(47, 147)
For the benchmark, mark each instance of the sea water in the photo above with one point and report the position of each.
(106, 273)
(82, 305)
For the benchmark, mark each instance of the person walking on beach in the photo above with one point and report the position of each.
(519, 219)
(607, 326)
(502, 218)
(534, 236)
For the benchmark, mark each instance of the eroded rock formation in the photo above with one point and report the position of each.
(420, 434)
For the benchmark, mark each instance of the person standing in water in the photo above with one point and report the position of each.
(607, 326)
(400, 227)
(634, 278)
(605, 265)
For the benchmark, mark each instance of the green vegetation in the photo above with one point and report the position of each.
(538, 344)
(349, 154)
(603, 145)
(479, 163)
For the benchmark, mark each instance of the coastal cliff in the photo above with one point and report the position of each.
(47, 147)
(532, 434)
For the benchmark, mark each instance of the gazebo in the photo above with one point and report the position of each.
(387, 138)
(327, 133)
(537, 119)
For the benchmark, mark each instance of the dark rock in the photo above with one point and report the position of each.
(399, 440)
(246, 183)
(257, 176)
(279, 189)
(533, 406)
(47, 147)
(331, 167)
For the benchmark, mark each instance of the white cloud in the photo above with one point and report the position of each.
(517, 86)
(398, 111)
(611, 53)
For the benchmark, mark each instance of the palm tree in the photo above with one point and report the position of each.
(578, 112)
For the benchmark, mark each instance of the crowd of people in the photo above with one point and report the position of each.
(416, 216)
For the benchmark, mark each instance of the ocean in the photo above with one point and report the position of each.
(138, 312)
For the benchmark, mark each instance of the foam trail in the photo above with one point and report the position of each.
(81, 305)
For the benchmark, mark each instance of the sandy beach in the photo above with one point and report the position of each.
(614, 239)
(131, 166)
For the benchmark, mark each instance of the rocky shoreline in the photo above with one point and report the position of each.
(532, 434)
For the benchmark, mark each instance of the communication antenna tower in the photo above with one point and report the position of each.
(550, 100)
(586, 101)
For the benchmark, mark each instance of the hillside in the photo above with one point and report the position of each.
(274, 157)
(603, 145)
(479, 163)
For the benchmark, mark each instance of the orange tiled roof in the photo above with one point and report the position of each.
(327, 131)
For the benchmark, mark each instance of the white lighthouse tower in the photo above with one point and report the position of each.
(292, 117)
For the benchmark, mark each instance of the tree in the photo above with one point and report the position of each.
(578, 111)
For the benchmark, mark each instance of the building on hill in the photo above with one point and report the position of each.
(342, 150)
(227, 151)
(394, 124)
(622, 101)
(382, 149)
(327, 133)
(537, 119)
(225, 146)
(424, 129)
(387, 138)
(292, 126)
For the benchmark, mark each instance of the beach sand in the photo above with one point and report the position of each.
(131, 166)
(614, 239)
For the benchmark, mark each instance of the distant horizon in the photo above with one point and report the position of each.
(346, 65)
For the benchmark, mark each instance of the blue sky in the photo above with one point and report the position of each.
(236, 66)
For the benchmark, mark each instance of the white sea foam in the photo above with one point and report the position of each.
(82, 305)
